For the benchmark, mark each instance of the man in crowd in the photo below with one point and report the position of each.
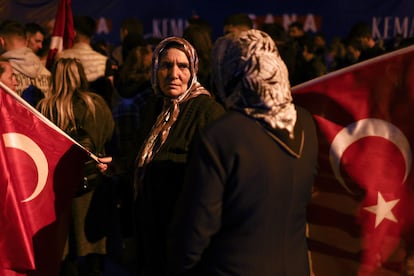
(361, 34)
(129, 26)
(35, 35)
(236, 23)
(31, 75)
(96, 65)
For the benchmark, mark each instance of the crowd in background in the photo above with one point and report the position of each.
(307, 55)
(121, 76)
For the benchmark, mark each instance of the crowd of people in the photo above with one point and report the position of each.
(212, 163)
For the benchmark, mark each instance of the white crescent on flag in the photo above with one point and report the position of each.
(364, 128)
(24, 143)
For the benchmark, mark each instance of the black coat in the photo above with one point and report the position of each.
(161, 185)
(243, 208)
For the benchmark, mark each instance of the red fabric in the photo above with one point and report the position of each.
(63, 32)
(361, 215)
(40, 168)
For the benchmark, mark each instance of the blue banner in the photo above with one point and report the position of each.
(169, 17)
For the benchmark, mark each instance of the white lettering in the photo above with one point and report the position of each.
(177, 27)
(269, 19)
(401, 28)
(164, 27)
(309, 24)
(253, 18)
(168, 27)
(375, 27)
(388, 27)
(156, 32)
(387, 20)
(102, 26)
(287, 20)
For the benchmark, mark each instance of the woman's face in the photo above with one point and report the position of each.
(173, 73)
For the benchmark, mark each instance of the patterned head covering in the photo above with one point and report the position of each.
(250, 76)
(171, 107)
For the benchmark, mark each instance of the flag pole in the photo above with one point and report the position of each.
(63, 32)
(44, 119)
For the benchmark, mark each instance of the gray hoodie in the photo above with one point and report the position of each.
(28, 69)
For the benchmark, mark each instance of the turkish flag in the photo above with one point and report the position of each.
(361, 214)
(40, 170)
(63, 31)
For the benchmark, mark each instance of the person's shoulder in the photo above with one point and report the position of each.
(67, 53)
(21, 54)
(98, 99)
(209, 99)
(45, 71)
(228, 128)
(208, 102)
(303, 112)
(102, 56)
(229, 118)
(102, 110)
(91, 54)
(305, 118)
(86, 52)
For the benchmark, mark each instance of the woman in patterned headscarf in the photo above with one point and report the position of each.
(243, 209)
(187, 107)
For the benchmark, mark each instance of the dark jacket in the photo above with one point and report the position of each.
(243, 208)
(100, 128)
(163, 179)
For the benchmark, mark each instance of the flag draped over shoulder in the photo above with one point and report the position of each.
(361, 214)
(40, 169)
(63, 32)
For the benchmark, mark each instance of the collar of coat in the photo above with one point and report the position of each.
(294, 146)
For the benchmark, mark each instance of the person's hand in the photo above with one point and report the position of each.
(103, 164)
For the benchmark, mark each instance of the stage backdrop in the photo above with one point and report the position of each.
(169, 17)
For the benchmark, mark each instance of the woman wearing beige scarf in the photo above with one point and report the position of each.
(187, 107)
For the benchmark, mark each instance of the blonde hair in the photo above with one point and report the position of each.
(68, 81)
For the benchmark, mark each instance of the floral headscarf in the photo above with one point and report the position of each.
(171, 109)
(249, 75)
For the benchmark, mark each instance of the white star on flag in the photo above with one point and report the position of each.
(383, 210)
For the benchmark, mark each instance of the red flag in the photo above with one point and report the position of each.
(361, 215)
(63, 32)
(40, 169)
